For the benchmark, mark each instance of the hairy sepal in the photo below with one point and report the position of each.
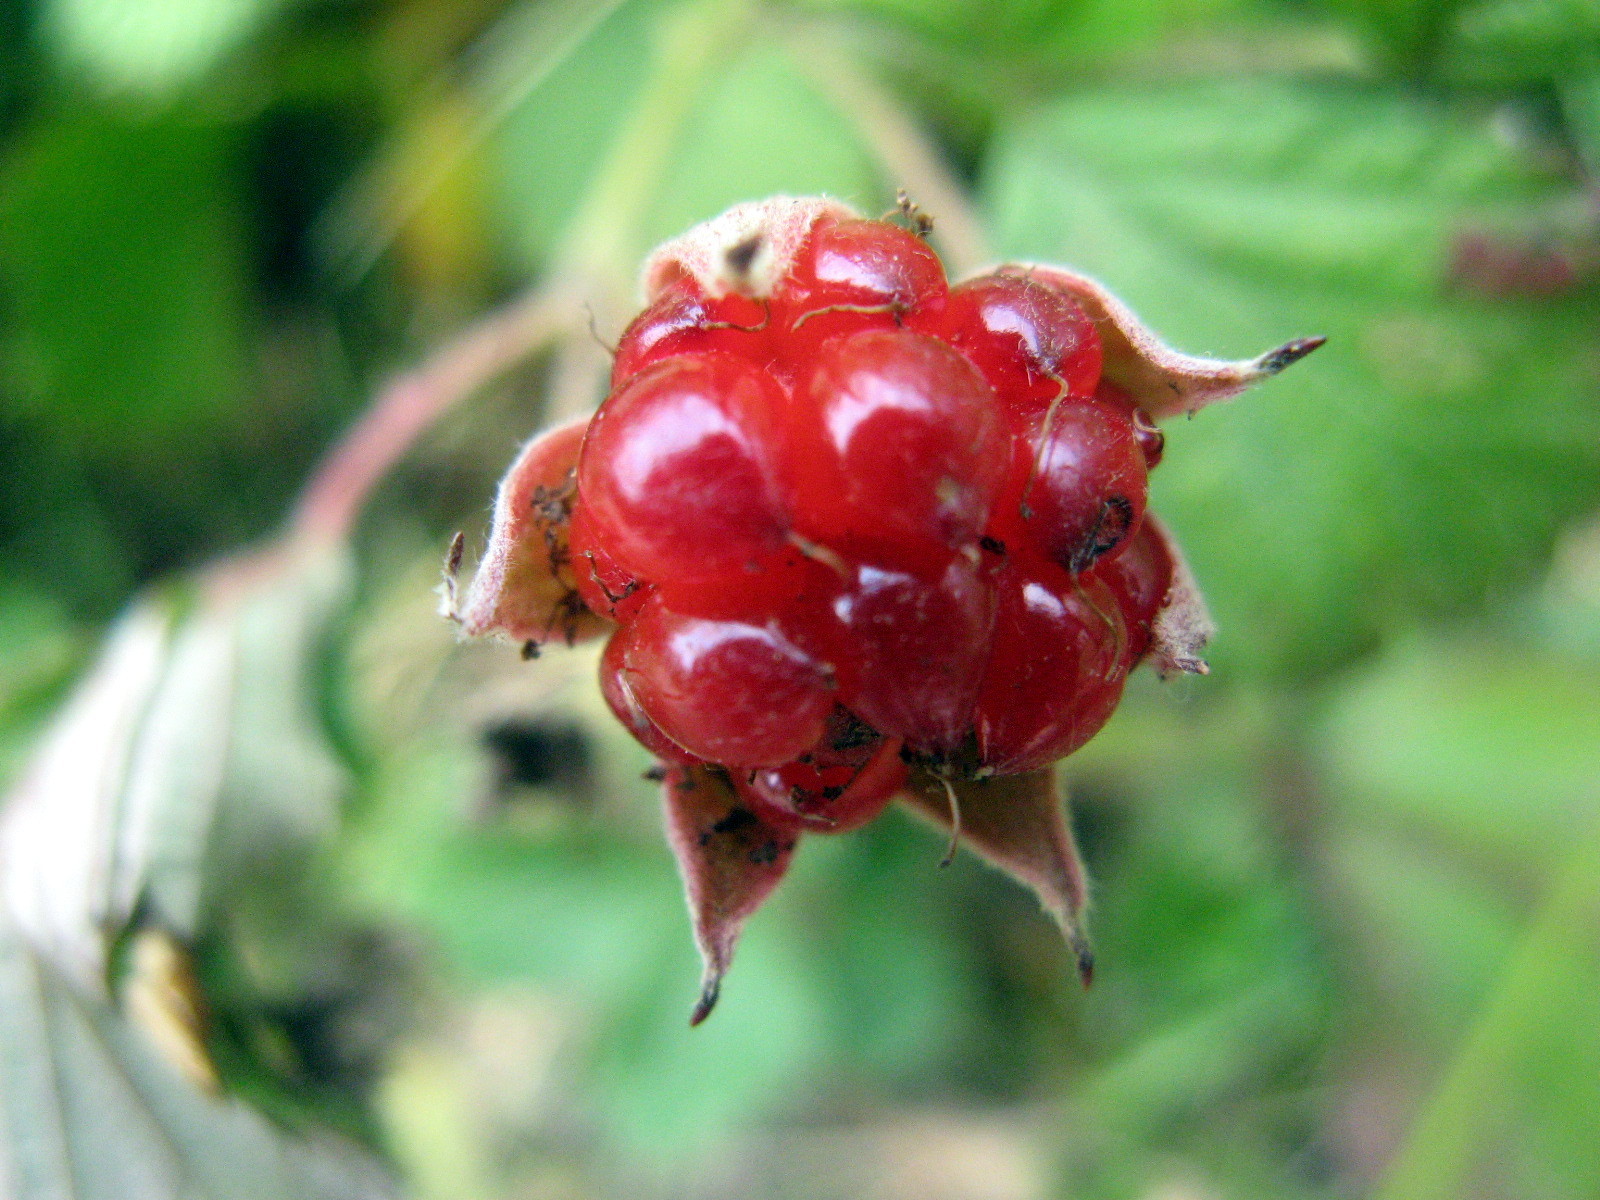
(1161, 380)
(1017, 823)
(1183, 625)
(749, 249)
(731, 860)
(523, 588)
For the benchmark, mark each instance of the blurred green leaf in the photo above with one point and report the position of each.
(1210, 982)
(1581, 96)
(1527, 41)
(1026, 37)
(151, 46)
(1514, 1102)
(554, 134)
(1410, 34)
(1491, 752)
(40, 648)
(871, 915)
(1451, 768)
(760, 130)
(1429, 931)
(123, 257)
(1425, 457)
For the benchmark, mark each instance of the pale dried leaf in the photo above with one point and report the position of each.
(90, 1110)
(187, 770)
(188, 754)
(177, 767)
(58, 829)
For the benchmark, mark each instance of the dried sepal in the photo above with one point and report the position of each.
(523, 588)
(1183, 625)
(730, 859)
(747, 249)
(162, 997)
(1017, 823)
(1164, 382)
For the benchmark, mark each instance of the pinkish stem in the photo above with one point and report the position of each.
(333, 498)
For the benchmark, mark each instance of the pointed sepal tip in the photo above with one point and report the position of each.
(730, 860)
(1287, 354)
(1018, 824)
(710, 991)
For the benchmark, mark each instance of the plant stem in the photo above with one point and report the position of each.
(589, 276)
(332, 499)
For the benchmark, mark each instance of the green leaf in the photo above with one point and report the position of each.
(121, 248)
(1422, 459)
(1526, 41)
(557, 116)
(761, 130)
(1024, 37)
(1472, 744)
(1410, 33)
(1431, 931)
(758, 128)
(1581, 106)
(1212, 994)
(41, 650)
(1516, 1104)
(151, 46)
(1457, 772)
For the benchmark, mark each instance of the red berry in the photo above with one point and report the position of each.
(674, 474)
(920, 642)
(602, 585)
(848, 518)
(734, 692)
(865, 537)
(854, 275)
(782, 582)
(1031, 341)
(839, 784)
(682, 320)
(620, 699)
(1151, 440)
(1087, 485)
(892, 436)
(1139, 578)
(1055, 671)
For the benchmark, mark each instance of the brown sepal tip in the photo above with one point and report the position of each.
(1287, 354)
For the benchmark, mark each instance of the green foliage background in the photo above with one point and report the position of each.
(1347, 888)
